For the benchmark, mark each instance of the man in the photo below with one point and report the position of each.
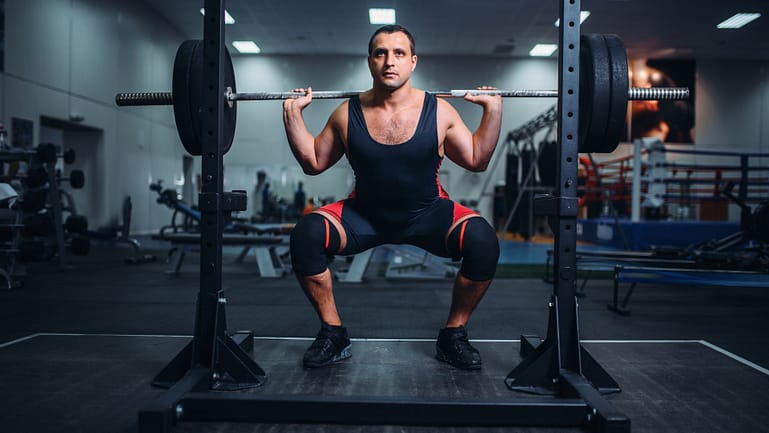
(258, 200)
(395, 137)
(300, 200)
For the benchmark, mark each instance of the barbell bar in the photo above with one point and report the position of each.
(166, 98)
(604, 93)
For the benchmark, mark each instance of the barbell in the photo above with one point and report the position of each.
(604, 92)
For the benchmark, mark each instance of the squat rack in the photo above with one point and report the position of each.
(216, 361)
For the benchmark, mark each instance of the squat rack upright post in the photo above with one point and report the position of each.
(215, 360)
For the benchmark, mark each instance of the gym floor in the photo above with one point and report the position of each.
(80, 346)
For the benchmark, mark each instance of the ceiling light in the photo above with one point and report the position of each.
(582, 17)
(737, 20)
(228, 19)
(381, 16)
(247, 47)
(543, 50)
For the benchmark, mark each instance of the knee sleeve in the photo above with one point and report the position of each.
(476, 243)
(313, 240)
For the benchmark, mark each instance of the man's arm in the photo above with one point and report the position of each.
(472, 151)
(314, 153)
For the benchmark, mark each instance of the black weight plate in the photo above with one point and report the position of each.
(76, 224)
(80, 246)
(69, 156)
(188, 88)
(37, 176)
(34, 200)
(186, 107)
(76, 179)
(594, 92)
(46, 152)
(618, 71)
(230, 111)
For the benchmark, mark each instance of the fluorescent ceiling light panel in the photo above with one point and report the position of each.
(228, 19)
(543, 50)
(737, 20)
(582, 17)
(381, 16)
(247, 47)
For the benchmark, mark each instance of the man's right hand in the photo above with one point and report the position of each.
(299, 103)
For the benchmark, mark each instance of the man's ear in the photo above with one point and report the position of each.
(413, 62)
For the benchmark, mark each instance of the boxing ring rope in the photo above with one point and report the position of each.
(687, 181)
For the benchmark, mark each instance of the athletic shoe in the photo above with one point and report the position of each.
(330, 346)
(454, 348)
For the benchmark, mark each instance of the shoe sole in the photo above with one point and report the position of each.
(440, 356)
(344, 354)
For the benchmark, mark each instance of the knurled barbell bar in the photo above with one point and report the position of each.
(604, 92)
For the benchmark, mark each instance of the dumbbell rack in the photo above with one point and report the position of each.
(11, 269)
(12, 218)
(43, 193)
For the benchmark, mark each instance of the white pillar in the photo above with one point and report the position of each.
(636, 199)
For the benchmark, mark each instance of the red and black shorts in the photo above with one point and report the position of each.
(427, 230)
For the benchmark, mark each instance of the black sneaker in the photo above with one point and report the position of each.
(454, 348)
(331, 345)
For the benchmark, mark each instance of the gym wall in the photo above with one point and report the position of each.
(70, 57)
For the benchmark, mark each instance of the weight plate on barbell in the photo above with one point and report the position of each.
(185, 113)
(594, 93)
(615, 124)
(188, 97)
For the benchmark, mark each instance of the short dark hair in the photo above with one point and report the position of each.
(393, 28)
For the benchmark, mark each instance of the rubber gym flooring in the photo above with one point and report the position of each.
(79, 346)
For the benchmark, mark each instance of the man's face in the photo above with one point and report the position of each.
(391, 61)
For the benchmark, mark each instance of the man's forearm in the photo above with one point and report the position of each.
(300, 140)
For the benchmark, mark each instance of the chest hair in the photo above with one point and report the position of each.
(396, 128)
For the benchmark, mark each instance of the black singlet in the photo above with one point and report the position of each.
(395, 183)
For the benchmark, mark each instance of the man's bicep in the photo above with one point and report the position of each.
(329, 144)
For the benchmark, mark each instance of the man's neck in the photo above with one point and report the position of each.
(392, 98)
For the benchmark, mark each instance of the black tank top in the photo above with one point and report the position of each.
(395, 182)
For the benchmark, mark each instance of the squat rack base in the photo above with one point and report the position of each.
(190, 399)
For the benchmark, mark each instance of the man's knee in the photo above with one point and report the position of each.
(313, 240)
(475, 241)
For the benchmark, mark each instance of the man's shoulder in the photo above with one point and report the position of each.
(340, 113)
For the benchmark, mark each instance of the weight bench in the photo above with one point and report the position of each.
(607, 261)
(267, 259)
(688, 276)
(121, 234)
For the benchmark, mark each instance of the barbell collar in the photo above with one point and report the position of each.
(166, 98)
